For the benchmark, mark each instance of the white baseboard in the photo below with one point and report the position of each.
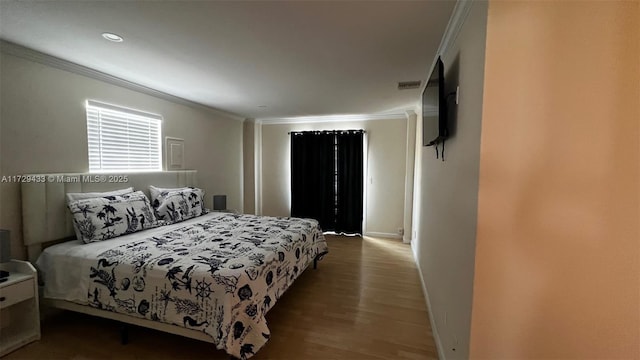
(434, 329)
(407, 240)
(383, 235)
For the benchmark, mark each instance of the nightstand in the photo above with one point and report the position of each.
(19, 311)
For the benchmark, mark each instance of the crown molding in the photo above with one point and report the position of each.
(457, 19)
(61, 64)
(332, 118)
(253, 121)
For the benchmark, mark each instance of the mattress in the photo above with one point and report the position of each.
(219, 273)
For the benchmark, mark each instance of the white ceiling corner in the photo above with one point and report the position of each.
(36, 56)
(300, 59)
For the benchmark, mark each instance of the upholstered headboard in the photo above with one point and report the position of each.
(45, 216)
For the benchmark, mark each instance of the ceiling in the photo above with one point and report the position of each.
(255, 59)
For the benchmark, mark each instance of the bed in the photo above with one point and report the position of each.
(211, 278)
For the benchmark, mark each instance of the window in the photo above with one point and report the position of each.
(122, 139)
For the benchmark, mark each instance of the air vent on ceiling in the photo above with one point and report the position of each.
(406, 85)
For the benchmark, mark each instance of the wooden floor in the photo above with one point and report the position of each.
(363, 302)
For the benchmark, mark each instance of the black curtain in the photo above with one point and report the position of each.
(312, 178)
(327, 178)
(350, 174)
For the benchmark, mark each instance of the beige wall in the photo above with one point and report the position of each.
(386, 170)
(557, 263)
(43, 129)
(447, 198)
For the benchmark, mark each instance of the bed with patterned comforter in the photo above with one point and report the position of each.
(218, 274)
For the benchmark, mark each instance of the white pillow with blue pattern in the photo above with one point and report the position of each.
(179, 204)
(103, 218)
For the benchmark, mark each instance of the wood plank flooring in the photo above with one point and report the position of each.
(363, 302)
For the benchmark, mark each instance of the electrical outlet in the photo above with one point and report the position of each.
(415, 234)
(400, 231)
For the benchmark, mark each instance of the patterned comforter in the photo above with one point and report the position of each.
(219, 276)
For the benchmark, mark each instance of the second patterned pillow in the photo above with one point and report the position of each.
(175, 205)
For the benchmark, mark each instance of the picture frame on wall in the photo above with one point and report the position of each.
(174, 153)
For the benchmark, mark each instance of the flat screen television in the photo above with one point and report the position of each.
(434, 107)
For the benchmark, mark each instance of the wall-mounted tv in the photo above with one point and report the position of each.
(434, 108)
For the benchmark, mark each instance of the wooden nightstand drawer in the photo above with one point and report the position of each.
(15, 293)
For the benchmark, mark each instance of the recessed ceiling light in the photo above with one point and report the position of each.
(112, 37)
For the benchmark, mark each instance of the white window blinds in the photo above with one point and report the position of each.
(122, 139)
